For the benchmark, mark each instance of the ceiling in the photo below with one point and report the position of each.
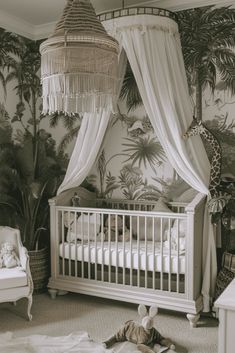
(35, 18)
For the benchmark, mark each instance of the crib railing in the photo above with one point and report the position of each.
(138, 205)
(139, 268)
(123, 247)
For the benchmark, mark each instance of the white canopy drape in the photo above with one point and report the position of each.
(89, 140)
(153, 49)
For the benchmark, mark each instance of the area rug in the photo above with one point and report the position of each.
(76, 342)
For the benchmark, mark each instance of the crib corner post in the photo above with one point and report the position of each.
(193, 319)
(53, 237)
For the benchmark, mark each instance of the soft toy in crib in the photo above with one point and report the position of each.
(144, 335)
(8, 256)
(115, 224)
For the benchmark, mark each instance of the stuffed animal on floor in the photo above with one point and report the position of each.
(8, 256)
(144, 335)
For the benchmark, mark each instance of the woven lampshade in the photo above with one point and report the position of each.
(79, 64)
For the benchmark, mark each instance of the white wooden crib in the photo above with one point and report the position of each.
(126, 250)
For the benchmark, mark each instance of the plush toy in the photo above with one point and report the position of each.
(144, 335)
(121, 232)
(76, 200)
(8, 256)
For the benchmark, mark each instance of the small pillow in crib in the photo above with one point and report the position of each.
(86, 227)
(175, 233)
(160, 206)
(182, 226)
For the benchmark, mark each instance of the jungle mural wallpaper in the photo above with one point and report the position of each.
(31, 167)
(208, 41)
(34, 149)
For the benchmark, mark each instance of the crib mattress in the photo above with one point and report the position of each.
(131, 256)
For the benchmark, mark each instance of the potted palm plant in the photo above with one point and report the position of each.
(24, 193)
(30, 167)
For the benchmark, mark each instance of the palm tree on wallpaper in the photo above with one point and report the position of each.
(31, 168)
(131, 182)
(130, 91)
(28, 88)
(208, 41)
(71, 123)
(144, 150)
(10, 44)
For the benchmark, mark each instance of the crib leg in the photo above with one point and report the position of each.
(62, 292)
(53, 292)
(193, 319)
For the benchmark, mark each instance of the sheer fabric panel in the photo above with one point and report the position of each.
(153, 48)
(89, 140)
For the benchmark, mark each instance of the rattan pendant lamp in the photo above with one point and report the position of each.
(79, 63)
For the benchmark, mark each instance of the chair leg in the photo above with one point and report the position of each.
(30, 302)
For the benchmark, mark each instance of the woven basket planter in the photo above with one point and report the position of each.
(39, 261)
(226, 274)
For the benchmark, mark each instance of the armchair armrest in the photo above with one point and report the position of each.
(24, 260)
(24, 257)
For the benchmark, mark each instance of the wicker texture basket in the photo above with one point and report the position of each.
(39, 261)
(79, 66)
(226, 274)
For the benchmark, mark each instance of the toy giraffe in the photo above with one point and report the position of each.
(197, 128)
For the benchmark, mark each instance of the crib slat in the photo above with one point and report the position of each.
(109, 246)
(95, 235)
(153, 247)
(63, 244)
(69, 221)
(116, 245)
(178, 254)
(76, 244)
(89, 247)
(124, 251)
(138, 250)
(102, 248)
(169, 256)
(82, 229)
(146, 252)
(131, 255)
(161, 246)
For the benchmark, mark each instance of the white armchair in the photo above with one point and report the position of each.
(16, 282)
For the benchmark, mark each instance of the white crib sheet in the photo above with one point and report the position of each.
(118, 254)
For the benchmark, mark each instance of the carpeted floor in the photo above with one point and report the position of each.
(101, 318)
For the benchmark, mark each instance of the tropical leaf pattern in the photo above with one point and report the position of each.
(132, 163)
(208, 41)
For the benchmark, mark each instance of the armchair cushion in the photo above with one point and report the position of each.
(12, 277)
(16, 282)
